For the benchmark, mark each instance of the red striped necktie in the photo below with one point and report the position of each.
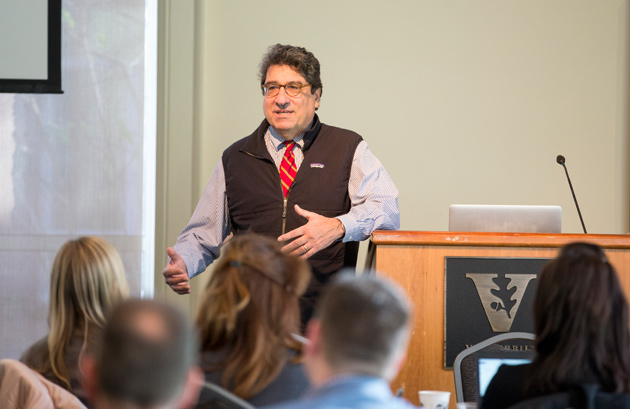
(287, 168)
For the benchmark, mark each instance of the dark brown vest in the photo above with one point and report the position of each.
(255, 198)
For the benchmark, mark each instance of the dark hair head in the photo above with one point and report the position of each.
(298, 58)
(581, 323)
(145, 353)
(251, 308)
(364, 324)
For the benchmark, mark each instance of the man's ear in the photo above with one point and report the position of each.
(398, 361)
(318, 95)
(192, 387)
(316, 365)
(399, 357)
(313, 334)
(89, 376)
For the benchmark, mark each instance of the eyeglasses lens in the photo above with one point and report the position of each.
(292, 89)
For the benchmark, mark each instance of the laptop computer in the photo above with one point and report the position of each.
(505, 218)
(488, 363)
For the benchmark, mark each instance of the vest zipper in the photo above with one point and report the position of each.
(284, 215)
(285, 202)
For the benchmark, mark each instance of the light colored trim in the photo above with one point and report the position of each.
(177, 159)
(149, 147)
(161, 153)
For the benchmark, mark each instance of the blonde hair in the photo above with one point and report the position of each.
(250, 309)
(87, 281)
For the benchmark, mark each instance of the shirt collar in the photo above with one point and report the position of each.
(376, 385)
(279, 140)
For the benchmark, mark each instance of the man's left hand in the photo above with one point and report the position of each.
(317, 234)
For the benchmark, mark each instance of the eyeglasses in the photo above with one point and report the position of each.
(293, 89)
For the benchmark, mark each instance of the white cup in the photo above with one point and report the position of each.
(434, 399)
(467, 405)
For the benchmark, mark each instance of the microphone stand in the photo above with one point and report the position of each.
(560, 159)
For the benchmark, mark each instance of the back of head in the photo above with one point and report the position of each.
(87, 281)
(250, 309)
(365, 324)
(298, 58)
(581, 322)
(145, 353)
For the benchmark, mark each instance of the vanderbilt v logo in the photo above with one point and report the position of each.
(485, 296)
(501, 295)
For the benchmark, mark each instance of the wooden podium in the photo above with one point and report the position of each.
(415, 260)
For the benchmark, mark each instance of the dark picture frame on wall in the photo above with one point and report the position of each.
(50, 83)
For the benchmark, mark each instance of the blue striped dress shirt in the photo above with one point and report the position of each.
(373, 196)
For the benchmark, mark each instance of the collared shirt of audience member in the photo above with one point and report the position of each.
(248, 316)
(145, 359)
(357, 343)
(87, 281)
(340, 195)
(580, 317)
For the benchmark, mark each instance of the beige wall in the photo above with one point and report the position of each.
(463, 101)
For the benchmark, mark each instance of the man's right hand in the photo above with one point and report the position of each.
(175, 273)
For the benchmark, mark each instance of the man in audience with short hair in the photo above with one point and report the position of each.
(146, 358)
(357, 343)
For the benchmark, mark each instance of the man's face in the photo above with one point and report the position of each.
(289, 116)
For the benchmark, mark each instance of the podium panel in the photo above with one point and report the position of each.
(416, 261)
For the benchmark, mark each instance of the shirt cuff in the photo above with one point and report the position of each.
(350, 226)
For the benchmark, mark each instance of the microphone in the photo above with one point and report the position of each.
(560, 159)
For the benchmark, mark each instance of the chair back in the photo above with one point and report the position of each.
(215, 397)
(580, 397)
(465, 368)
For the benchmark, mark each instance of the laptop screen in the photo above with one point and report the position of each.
(488, 363)
(505, 218)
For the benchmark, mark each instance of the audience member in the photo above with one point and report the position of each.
(23, 388)
(248, 317)
(87, 281)
(581, 325)
(357, 343)
(145, 359)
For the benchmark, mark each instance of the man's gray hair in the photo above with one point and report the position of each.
(145, 353)
(298, 58)
(364, 324)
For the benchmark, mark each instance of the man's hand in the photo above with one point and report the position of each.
(317, 234)
(175, 273)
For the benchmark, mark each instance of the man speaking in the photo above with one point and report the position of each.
(315, 187)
